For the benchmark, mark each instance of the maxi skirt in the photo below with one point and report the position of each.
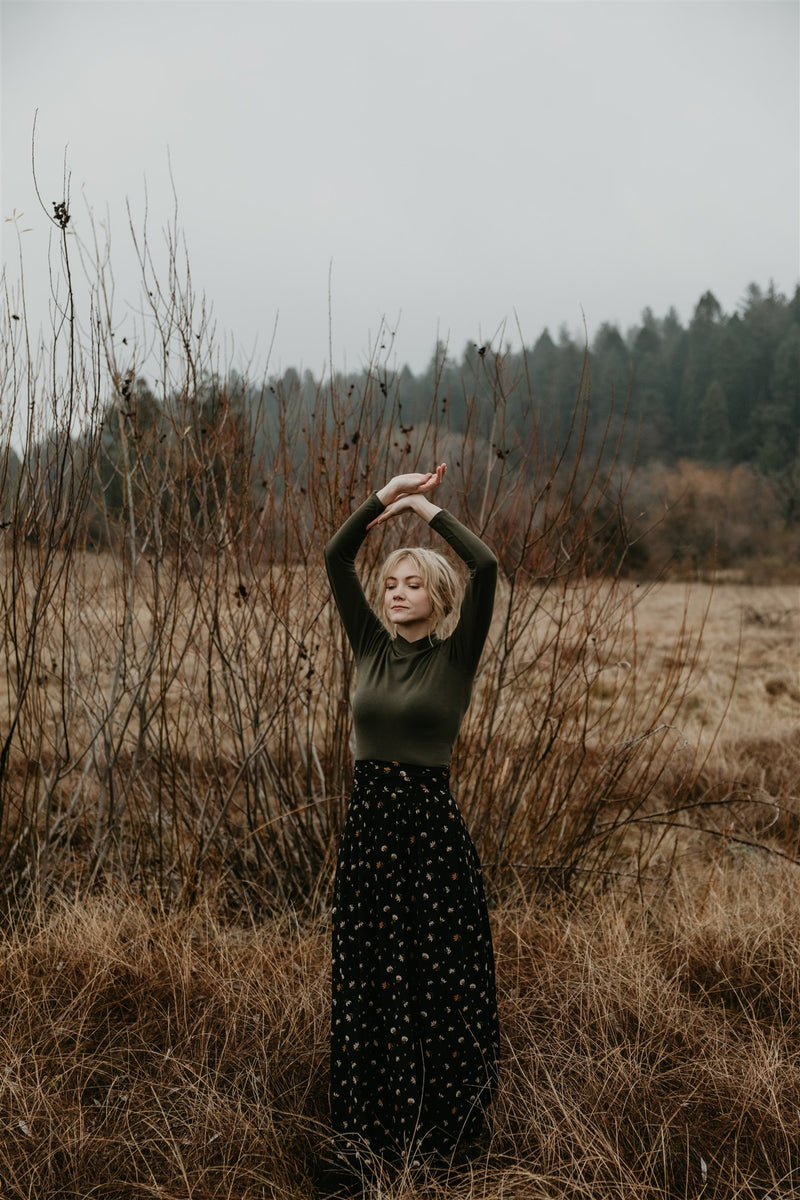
(414, 1031)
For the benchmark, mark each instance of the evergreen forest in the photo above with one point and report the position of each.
(696, 428)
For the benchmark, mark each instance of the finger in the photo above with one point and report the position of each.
(383, 518)
(434, 479)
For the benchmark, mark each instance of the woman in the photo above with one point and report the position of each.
(414, 1035)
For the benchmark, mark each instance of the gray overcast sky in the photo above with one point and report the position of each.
(452, 164)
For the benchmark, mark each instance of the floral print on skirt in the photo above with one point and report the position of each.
(414, 1032)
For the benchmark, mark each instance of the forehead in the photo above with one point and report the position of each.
(406, 568)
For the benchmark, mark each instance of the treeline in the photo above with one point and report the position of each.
(725, 390)
(701, 424)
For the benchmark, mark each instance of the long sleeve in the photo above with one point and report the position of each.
(468, 638)
(361, 624)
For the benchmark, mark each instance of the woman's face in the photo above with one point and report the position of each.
(406, 601)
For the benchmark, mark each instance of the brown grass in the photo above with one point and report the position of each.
(650, 1049)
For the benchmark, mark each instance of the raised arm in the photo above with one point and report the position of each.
(470, 634)
(360, 623)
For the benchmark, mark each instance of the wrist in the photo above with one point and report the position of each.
(426, 509)
(387, 494)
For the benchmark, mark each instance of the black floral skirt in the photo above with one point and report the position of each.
(414, 1033)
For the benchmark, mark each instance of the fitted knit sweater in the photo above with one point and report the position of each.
(410, 697)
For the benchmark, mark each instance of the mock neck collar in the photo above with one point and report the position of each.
(406, 649)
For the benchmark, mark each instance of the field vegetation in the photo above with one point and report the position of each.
(175, 755)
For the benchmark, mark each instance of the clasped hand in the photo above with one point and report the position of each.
(408, 492)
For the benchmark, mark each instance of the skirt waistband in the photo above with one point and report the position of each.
(387, 767)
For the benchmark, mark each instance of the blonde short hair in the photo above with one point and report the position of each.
(441, 582)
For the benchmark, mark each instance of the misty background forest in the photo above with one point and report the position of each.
(699, 424)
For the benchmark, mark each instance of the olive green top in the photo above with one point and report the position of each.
(410, 697)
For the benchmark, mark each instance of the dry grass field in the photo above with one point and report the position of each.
(650, 1050)
(750, 656)
(651, 1026)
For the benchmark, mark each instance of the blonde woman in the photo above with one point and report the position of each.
(414, 1034)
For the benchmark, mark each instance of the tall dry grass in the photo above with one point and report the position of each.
(650, 1050)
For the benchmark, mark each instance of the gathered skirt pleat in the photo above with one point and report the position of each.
(414, 1031)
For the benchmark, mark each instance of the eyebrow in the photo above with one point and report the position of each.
(393, 578)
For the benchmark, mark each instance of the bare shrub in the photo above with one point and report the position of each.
(176, 702)
(696, 521)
